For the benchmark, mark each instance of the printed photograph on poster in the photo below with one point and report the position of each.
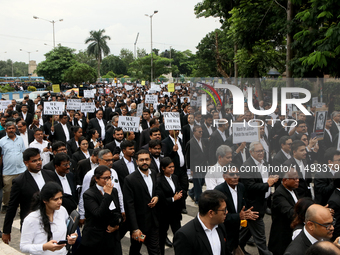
(319, 123)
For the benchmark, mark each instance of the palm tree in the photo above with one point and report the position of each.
(98, 46)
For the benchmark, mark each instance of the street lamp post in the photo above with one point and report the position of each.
(51, 21)
(151, 42)
(29, 59)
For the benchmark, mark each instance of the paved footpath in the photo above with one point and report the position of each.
(14, 247)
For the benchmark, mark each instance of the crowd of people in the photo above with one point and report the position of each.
(138, 182)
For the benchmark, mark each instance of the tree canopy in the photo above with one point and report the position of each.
(79, 73)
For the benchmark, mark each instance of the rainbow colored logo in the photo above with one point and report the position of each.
(209, 93)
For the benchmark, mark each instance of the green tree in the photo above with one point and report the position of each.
(141, 53)
(115, 64)
(57, 62)
(79, 73)
(141, 67)
(98, 46)
(184, 60)
(83, 57)
(127, 56)
(19, 68)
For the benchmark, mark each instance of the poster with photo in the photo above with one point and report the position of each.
(319, 123)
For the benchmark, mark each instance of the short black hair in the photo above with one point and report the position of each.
(210, 200)
(154, 142)
(296, 144)
(127, 143)
(284, 139)
(117, 129)
(153, 121)
(56, 145)
(330, 153)
(299, 122)
(38, 130)
(142, 151)
(30, 152)
(154, 130)
(95, 152)
(60, 157)
(195, 128)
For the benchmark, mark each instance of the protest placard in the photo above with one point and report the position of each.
(56, 88)
(54, 108)
(171, 87)
(88, 93)
(73, 104)
(314, 101)
(155, 87)
(88, 107)
(319, 123)
(151, 99)
(172, 121)
(178, 88)
(128, 123)
(4, 104)
(243, 132)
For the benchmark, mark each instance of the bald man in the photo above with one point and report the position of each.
(319, 225)
(324, 248)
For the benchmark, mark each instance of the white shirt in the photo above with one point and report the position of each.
(112, 205)
(45, 156)
(93, 165)
(121, 151)
(214, 176)
(213, 237)
(302, 167)
(233, 193)
(33, 236)
(179, 151)
(329, 133)
(209, 129)
(222, 134)
(158, 163)
(311, 238)
(130, 165)
(102, 127)
(264, 174)
(87, 155)
(67, 134)
(148, 180)
(86, 186)
(286, 154)
(64, 184)
(293, 195)
(199, 143)
(39, 179)
(24, 137)
(171, 183)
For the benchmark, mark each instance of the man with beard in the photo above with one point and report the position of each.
(114, 146)
(126, 165)
(155, 149)
(140, 198)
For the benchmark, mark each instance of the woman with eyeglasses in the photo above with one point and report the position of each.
(45, 226)
(83, 152)
(102, 213)
(170, 204)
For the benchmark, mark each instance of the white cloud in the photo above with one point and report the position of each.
(174, 25)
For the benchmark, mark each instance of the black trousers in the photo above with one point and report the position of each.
(164, 224)
(151, 241)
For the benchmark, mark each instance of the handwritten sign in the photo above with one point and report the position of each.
(88, 107)
(172, 121)
(56, 88)
(54, 108)
(88, 93)
(242, 132)
(151, 99)
(155, 87)
(73, 104)
(4, 104)
(143, 83)
(128, 123)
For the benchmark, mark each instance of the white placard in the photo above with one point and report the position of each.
(139, 85)
(54, 108)
(314, 101)
(120, 85)
(178, 88)
(172, 121)
(151, 91)
(319, 105)
(242, 132)
(128, 123)
(199, 101)
(88, 93)
(128, 87)
(139, 110)
(155, 87)
(167, 93)
(73, 104)
(193, 103)
(151, 99)
(88, 107)
(94, 91)
(4, 104)
(182, 99)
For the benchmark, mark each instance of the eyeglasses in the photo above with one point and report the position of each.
(59, 150)
(66, 165)
(222, 210)
(259, 152)
(108, 160)
(327, 226)
(106, 178)
(233, 174)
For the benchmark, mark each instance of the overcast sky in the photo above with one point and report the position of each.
(174, 25)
